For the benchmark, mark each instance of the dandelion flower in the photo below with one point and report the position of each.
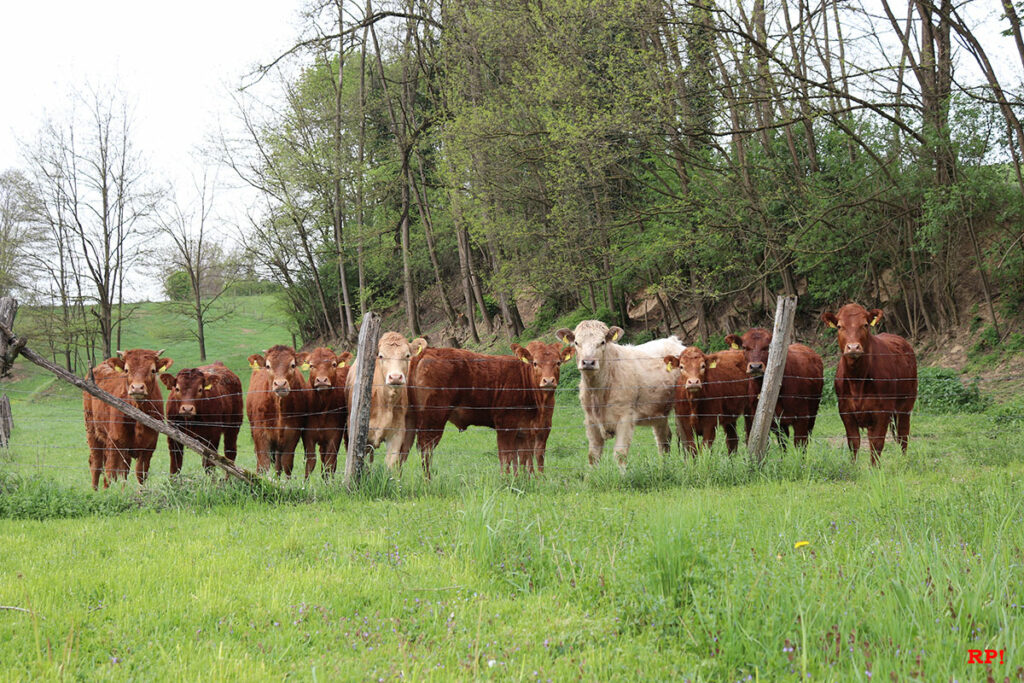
(801, 544)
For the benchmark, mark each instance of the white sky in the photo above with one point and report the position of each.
(174, 61)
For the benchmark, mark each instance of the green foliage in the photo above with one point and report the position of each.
(178, 286)
(939, 391)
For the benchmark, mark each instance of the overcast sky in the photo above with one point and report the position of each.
(174, 62)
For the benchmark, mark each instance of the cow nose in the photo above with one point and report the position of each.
(322, 381)
(396, 378)
(753, 368)
(693, 385)
(187, 409)
(281, 386)
(137, 389)
(854, 349)
(548, 382)
(588, 364)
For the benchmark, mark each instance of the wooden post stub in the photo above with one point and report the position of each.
(361, 377)
(6, 421)
(9, 346)
(782, 334)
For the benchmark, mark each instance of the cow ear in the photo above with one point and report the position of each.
(116, 363)
(713, 363)
(614, 333)
(522, 353)
(418, 344)
(343, 358)
(671, 363)
(875, 315)
(568, 352)
(565, 335)
(163, 363)
(256, 361)
(169, 380)
(830, 319)
(303, 358)
(209, 380)
(734, 341)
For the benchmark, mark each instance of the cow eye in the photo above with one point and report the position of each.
(380, 356)
(293, 364)
(334, 364)
(268, 365)
(408, 355)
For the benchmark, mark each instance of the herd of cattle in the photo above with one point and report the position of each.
(417, 390)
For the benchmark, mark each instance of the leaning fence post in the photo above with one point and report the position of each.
(8, 348)
(782, 334)
(362, 383)
(6, 421)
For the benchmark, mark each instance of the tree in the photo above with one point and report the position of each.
(14, 230)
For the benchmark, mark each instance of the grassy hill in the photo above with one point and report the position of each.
(679, 569)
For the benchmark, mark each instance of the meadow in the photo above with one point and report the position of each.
(809, 568)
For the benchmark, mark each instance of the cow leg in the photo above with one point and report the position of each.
(506, 449)
(230, 446)
(261, 444)
(876, 436)
(177, 454)
(285, 459)
(732, 439)
(329, 456)
(852, 433)
(623, 440)
(663, 435)
(95, 462)
(707, 432)
(214, 444)
(595, 440)
(309, 448)
(142, 467)
(801, 433)
(115, 467)
(903, 429)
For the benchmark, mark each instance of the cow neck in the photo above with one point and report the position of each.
(540, 396)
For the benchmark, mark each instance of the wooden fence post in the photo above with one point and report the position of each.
(361, 377)
(6, 422)
(127, 408)
(782, 334)
(8, 347)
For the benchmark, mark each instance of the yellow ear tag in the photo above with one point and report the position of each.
(714, 364)
(525, 361)
(119, 369)
(164, 368)
(208, 387)
(420, 349)
(832, 324)
(668, 367)
(566, 356)
(254, 365)
(615, 336)
(305, 366)
(341, 364)
(874, 322)
(735, 346)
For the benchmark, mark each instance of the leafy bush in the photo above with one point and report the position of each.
(43, 498)
(939, 390)
(1010, 413)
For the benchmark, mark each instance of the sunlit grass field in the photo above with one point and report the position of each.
(810, 568)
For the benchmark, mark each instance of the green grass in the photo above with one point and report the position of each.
(678, 570)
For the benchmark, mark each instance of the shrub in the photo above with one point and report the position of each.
(939, 390)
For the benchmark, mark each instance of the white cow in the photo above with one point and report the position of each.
(389, 398)
(621, 386)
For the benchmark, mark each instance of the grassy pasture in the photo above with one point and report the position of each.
(677, 570)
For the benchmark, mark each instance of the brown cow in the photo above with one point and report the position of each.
(712, 390)
(205, 403)
(876, 381)
(802, 382)
(276, 405)
(514, 395)
(114, 438)
(327, 423)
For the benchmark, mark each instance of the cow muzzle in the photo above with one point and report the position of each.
(137, 391)
(548, 383)
(187, 410)
(853, 351)
(693, 386)
(395, 379)
(321, 383)
(281, 387)
(588, 365)
(755, 368)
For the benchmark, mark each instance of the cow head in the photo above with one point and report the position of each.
(190, 387)
(394, 354)
(323, 364)
(854, 323)
(755, 344)
(545, 361)
(693, 365)
(282, 363)
(590, 339)
(140, 367)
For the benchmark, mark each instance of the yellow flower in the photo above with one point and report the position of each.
(800, 544)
